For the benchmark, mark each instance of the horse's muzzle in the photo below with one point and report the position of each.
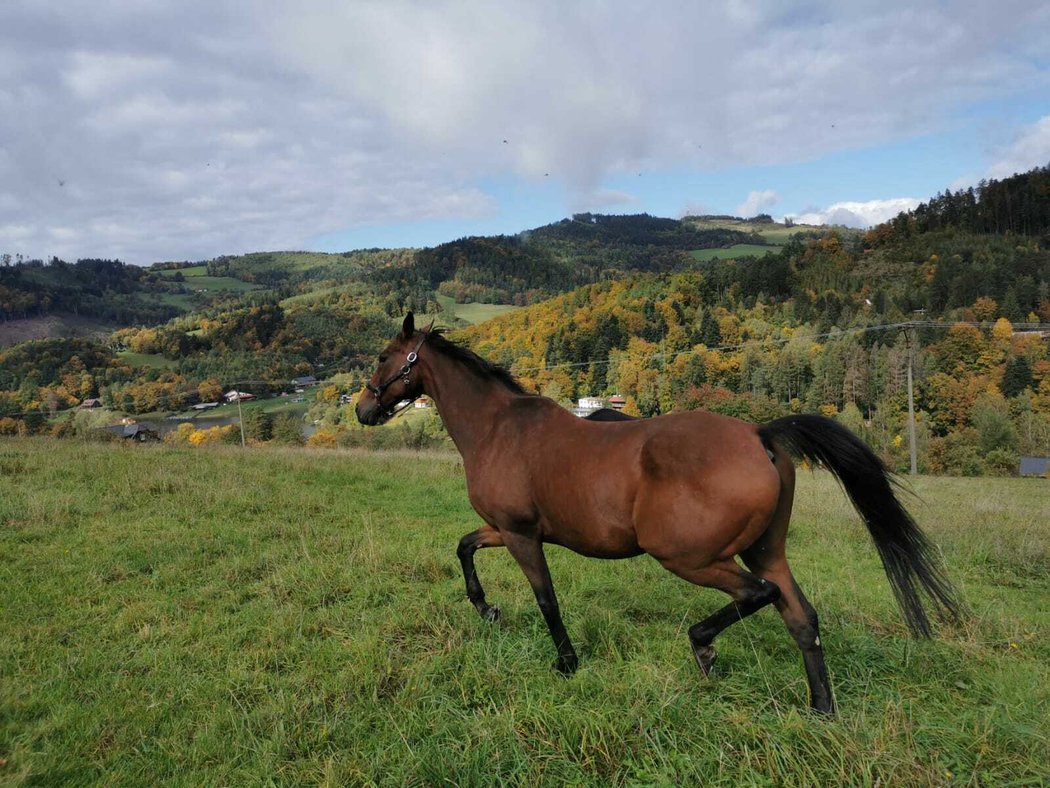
(370, 414)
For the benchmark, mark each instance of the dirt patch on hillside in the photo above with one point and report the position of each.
(14, 331)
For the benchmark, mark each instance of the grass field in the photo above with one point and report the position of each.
(771, 233)
(197, 279)
(475, 313)
(155, 360)
(273, 405)
(734, 251)
(246, 617)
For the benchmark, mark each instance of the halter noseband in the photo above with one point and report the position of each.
(403, 374)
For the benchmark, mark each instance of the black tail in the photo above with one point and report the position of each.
(907, 555)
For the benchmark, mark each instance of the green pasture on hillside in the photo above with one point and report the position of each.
(193, 270)
(474, 313)
(272, 405)
(197, 279)
(155, 360)
(247, 617)
(771, 233)
(734, 251)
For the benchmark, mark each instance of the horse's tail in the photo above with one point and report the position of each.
(907, 555)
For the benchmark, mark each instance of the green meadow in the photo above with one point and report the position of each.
(154, 360)
(196, 279)
(734, 251)
(473, 313)
(244, 617)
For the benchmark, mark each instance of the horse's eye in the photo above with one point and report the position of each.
(383, 358)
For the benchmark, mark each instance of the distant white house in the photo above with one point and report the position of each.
(422, 402)
(234, 396)
(587, 405)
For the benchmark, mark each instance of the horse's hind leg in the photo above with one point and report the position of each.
(749, 594)
(767, 559)
(801, 621)
(486, 536)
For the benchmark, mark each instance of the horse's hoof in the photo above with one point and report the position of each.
(566, 665)
(705, 658)
(491, 614)
(825, 710)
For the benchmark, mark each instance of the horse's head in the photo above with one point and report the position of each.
(395, 379)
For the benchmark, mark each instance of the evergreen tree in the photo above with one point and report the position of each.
(710, 334)
(1016, 377)
(258, 425)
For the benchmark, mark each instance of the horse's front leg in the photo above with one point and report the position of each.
(486, 536)
(528, 552)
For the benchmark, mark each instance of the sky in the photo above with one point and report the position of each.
(151, 130)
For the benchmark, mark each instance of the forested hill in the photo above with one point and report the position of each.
(518, 269)
(942, 261)
(748, 317)
(536, 264)
(1018, 205)
(815, 328)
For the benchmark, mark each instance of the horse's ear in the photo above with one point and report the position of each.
(408, 328)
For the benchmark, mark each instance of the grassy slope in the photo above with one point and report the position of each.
(238, 617)
(155, 360)
(771, 233)
(736, 250)
(475, 313)
(197, 279)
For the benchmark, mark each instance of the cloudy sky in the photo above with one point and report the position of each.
(183, 129)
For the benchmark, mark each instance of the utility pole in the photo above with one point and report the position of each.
(240, 416)
(911, 406)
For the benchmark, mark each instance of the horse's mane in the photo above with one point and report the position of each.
(472, 361)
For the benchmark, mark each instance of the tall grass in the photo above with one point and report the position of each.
(244, 617)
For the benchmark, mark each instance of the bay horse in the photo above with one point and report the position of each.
(693, 489)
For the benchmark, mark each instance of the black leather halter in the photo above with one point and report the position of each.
(403, 374)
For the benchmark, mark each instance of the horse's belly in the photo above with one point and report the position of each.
(595, 540)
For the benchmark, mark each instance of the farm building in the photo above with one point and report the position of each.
(304, 381)
(234, 396)
(90, 404)
(1034, 466)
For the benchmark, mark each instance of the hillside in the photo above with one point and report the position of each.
(595, 305)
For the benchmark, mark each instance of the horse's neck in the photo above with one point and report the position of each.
(469, 406)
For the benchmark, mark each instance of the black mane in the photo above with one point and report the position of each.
(472, 361)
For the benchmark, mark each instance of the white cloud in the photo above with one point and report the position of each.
(755, 202)
(180, 129)
(1031, 148)
(857, 214)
